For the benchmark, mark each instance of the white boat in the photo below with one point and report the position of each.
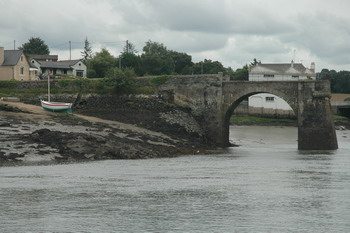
(55, 106)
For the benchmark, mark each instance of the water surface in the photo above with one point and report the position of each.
(265, 185)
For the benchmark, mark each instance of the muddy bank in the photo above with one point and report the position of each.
(147, 128)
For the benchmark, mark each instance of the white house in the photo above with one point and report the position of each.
(271, 104)
(50, 65)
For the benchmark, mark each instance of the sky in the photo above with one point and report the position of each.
(233, 32)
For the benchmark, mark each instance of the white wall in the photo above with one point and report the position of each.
(259, 100)
(277, 77)
(79, 66)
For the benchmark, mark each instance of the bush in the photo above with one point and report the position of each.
(157, 81)
(119, 80)
(8, 84)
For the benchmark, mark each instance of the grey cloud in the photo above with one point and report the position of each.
(266, 30)
(324, 35)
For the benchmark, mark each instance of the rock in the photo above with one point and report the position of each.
(5, 124)
(14, 156)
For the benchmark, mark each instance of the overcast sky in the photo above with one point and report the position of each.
(233, 32)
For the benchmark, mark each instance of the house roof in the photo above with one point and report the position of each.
(58, 65)
(43, 57)
(280, 68)
(54, 65)
(11, 57)
(71, 62)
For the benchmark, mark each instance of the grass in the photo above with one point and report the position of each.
(338, 118)
(251, 120)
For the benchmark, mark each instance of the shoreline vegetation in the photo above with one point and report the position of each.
(340, 122)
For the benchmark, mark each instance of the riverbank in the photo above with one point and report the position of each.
(340, 122)
(30, 134)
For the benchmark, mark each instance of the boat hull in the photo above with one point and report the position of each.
(56, 106)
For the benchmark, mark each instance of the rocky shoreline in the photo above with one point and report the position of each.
(119, 127)
(122, 128)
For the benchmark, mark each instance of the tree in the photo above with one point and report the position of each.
(87, 53)
(208, 67)
(100, 64)
(130, 60)
(129, 48)
(182, 62)
(241, 74)
(340, 81)
(254, 62)
(156, 59)
(35, 46)
(120, 80)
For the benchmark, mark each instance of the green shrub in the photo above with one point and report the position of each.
(8, 84)
(157, 81)
(119, 81)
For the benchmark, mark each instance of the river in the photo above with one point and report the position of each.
(265, 185)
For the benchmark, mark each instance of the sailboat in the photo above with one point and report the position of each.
(55, 106)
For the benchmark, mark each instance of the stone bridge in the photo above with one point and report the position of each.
(213, 98)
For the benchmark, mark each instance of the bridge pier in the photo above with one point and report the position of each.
(316, 129)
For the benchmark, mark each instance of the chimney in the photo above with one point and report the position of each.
(312, 67)
(2, 55)
(292, 64)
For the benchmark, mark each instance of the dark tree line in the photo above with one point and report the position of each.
(156, 59)
(340, 81)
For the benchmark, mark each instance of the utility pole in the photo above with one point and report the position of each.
(70, 50)
(127, 46)
(14, 44)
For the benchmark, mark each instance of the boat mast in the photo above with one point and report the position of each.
(48, 87)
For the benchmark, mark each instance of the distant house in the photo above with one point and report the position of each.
(14, 65)
(49, 64)
(267, 104)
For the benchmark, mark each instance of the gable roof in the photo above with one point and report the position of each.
(280, 68)
(11, 57)
(58, 64)
(70, 62)
(43, 57)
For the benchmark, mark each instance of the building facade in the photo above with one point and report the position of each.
(268, 104)
(14, 65)
(54, 67)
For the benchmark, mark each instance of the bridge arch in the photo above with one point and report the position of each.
(235, 99)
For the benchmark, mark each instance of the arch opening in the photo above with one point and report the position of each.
(264, 96)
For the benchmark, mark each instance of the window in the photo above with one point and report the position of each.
(269, 75)
(269, 98)
(295, 76)
(80, 73)
(22, 70)
(21, 58)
